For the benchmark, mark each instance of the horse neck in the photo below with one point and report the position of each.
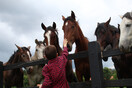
(34, 57)
(15, 59)
(58, 48)
(81, 42)
(115, 41)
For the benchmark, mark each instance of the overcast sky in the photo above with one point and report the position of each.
(20, 20)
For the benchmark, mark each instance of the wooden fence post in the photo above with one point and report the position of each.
(96, 67)
(1, 74)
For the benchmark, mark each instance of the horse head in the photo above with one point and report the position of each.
(39, 49)
(23, 54)
(125, 42)
(50, 34)
(71, 29)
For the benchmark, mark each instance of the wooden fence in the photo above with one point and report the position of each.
(96, 68)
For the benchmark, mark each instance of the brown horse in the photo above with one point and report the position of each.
(51, 38)
(109, 35)
(15, 77)
(73, 33)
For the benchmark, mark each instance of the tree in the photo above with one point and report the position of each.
(107, 73)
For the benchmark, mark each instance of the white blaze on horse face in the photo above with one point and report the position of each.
(125, 34)
(48, 36)
(39, 51)
(66, 23)
(29, 55)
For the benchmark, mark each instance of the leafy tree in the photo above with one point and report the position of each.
(107, 73)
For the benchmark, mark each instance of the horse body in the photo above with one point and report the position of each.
(73, 34)
(35, 75)
(51, 38)
(15, 77)
(109, 35)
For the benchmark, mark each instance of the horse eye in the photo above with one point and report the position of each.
(72, 27)
(36, 49)
(128, 25)
(23, 55)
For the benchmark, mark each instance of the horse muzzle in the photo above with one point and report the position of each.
(29, 69)
(69, 46)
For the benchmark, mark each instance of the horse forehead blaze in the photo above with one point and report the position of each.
(48, 36)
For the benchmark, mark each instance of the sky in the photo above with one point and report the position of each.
(20, 20)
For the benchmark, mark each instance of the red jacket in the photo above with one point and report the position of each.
(54, 72)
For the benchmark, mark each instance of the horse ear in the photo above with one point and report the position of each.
(131, 13)
(72, 15)
(19, 48)
(107, 23)
(63, 18)
(119, 28)
(36, 41)
(121, 16)
(97, 23)
(54, 25)
(29, 47)
(43, 26)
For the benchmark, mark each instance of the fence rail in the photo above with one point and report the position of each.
(96, 68)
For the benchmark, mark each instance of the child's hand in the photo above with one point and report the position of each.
(65, 42)
(39, 85)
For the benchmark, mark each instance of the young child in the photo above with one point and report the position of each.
(54, 72)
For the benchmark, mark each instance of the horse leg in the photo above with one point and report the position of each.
(7, 86)
(69, 72)
(87, 76)
(79, 76)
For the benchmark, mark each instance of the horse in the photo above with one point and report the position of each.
(51, 38)
(109, 35)
(74, 34)
(125, 43)
(35, 75)
(15, 77)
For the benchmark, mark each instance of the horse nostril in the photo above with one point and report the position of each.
(68, 46)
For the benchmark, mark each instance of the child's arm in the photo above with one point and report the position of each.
(64, 53)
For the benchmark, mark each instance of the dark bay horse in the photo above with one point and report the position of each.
(74, 34)
(15, 77)
(51, 38)
(109, 35)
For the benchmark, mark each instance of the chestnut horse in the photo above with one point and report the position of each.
(35, 75)
(15, 77)
(51, 38)
(73, 33)
(109, 35)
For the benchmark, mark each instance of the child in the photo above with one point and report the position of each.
(54, 71)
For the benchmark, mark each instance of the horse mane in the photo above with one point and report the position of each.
(127, 15)
(69, 18)
(51, 29)
(15, 52)
(101, 26)
(76, 22)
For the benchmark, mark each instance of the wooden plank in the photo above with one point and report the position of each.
(80, 85)
(1, 74)
(118, 83)
(20, 65)
(42, 61)
(72, 85)
(78, 55)
(114, 52)
(96, 67)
